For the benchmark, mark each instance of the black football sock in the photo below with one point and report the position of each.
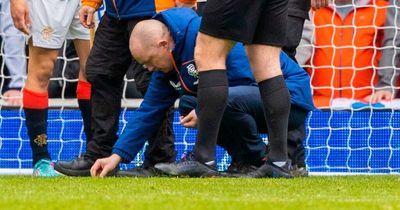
(276, 100)
(36, 123)
(83, 94)
(212, 95)
(85, 107)
(35, 107)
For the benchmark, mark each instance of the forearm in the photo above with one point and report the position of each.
(147, 118)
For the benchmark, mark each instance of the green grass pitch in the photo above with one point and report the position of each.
(342, 192)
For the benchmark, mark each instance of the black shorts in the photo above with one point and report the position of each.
(247, 21)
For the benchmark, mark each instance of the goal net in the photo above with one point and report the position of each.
(347, 136)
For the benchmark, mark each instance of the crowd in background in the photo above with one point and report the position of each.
(350, 50)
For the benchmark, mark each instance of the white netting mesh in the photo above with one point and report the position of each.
(347, 138)
(341, 51)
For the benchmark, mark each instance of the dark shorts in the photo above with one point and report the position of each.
(247, 21)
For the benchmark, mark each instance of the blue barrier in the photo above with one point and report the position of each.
(340, 141)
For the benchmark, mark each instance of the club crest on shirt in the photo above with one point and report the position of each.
(47, 33)
(192, 71)
(177, 85)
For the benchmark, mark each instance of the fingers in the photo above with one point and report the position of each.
(82, 17)
(89, 20)
(86, 17)
(387, 96)
(13, 98)
(105, 170)
(384, 96)
(20, 25)
(25, 23)
(20, 15)
(317, 4)
(96, 168)
(185, 119)
(188, 122)
(313, 4)
(14, 102)
(373, 98)
(191, 124)
(325, 3)
(378, 97)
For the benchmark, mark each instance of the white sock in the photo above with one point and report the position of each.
(279, 163)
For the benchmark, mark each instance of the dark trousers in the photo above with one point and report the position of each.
(107, 64)
(243, 121)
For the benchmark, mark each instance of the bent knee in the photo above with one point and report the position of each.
(211, 53)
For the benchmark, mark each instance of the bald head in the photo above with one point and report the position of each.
(147, 33)
(150, 44)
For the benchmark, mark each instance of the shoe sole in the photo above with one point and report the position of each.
(69, 172)
(173, 172)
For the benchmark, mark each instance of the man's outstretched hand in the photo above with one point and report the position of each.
(103, 166)
(317, 4)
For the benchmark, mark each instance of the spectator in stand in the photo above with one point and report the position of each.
(13, 56)
(342, 48)
(390, 60)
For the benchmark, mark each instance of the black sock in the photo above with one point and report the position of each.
(85, 107)
(36, 123)
(212, 95)
(276, 100)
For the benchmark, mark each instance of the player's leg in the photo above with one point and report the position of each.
(50, 20)
(81, 39)
(84, 87)
(222, 22)
(263, 55)
(266, 68)
(212, 93)
(35, 104)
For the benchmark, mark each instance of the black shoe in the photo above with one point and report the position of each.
(269, 169)
(187, 166)
(240, 169)
(79, 166)
(139, 172)
(299, 171)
